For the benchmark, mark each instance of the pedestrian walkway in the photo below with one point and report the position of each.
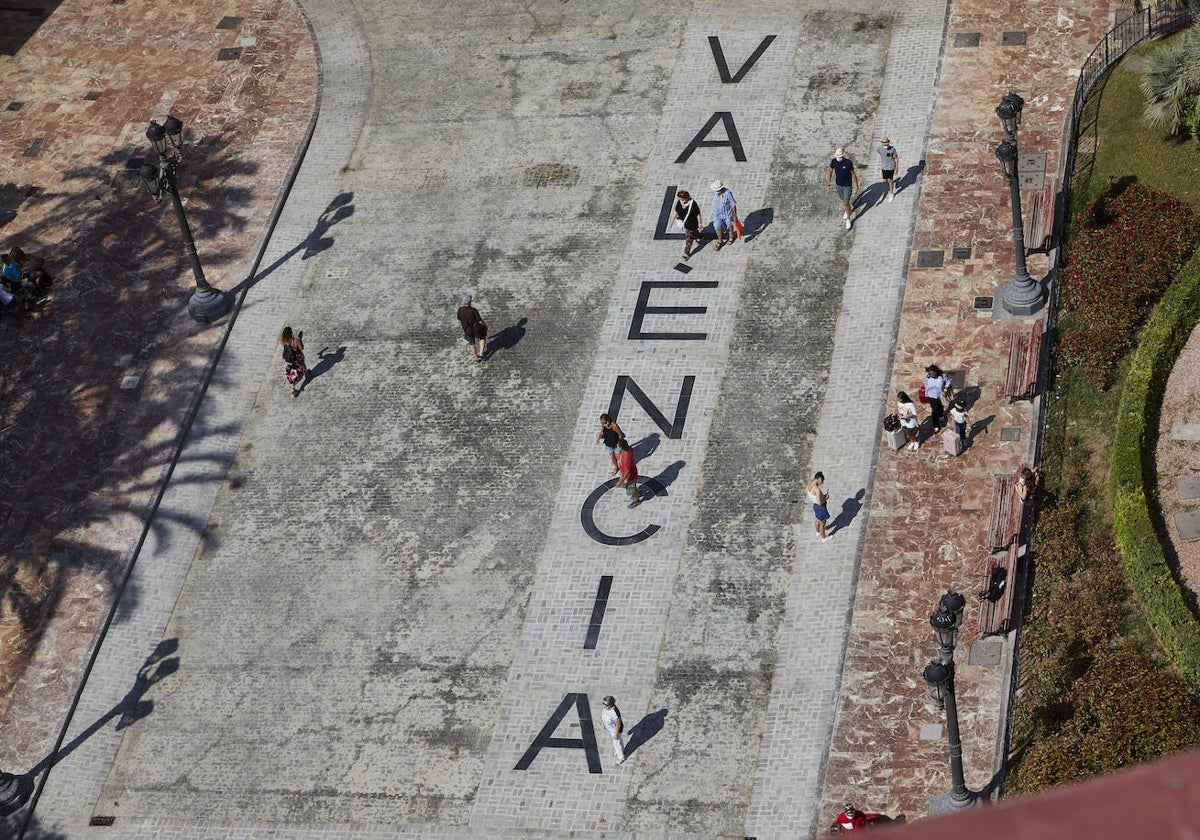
(394, 601)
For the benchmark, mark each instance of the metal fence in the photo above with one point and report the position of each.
(1161, 19)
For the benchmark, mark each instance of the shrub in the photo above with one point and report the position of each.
(1126, 709)
(1131, 241)
(1132, 470)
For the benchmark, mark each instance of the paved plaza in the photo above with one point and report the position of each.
(392, 605)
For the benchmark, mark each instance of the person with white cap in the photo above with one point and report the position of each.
(889, 159)
(724, 213)
(473, 326)
(841, 171)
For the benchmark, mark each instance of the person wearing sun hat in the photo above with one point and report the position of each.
(889, 159)
(724, 213)
(841, 170)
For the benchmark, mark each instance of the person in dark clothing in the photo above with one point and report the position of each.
(473, 326)
(687, 216)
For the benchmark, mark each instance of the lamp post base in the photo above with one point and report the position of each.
(1022, 297)
(14, 792)
(948, 803)
(208, 304)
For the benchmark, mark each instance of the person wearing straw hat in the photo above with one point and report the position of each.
(724, 213)
(841, 171)
(889, 159)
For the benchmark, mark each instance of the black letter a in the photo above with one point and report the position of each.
(545, 738)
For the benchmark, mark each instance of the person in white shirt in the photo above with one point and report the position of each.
(611, 717)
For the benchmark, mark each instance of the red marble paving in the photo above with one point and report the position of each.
(929, 513)
(81, 457)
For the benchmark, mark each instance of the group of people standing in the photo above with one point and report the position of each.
(936, 386)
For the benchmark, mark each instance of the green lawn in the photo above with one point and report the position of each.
(1130, 148)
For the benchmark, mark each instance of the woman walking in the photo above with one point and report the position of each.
(906, 410)
(687, 216)
(295, 371)
(610, 435)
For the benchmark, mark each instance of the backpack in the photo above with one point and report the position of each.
(289, 354)
(891, 423)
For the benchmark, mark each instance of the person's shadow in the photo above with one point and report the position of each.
(644, 730)
(850, 509)
(667, 477)
(506, 339)
(868, 199)
(979, 427)
(910, 177)
(326, 361)
(646, 447)
(756, 222)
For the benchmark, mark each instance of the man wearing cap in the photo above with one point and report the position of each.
(473, 327)
(724, 213)
(841, 170)
(889, 159)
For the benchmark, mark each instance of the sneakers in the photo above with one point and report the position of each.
(847, 223)
(914, 446)
(826, 539)
(890, 197)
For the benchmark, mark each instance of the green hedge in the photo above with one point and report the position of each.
(1133, 457)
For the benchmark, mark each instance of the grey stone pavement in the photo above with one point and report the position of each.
(392, 594)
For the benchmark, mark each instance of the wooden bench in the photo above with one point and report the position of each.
(1038, 213)
(1024, 363)
(1004, 527)
(998, 596)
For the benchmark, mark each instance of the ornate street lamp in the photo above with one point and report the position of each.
(206, 304)
(939, 677)
(1024, 295)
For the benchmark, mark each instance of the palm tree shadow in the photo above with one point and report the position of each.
(850, 509)
(326, 361)
(507, 338)
(644, 730)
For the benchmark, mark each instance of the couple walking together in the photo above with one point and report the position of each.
(726, 225)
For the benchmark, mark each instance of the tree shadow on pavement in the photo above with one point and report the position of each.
(86, 458)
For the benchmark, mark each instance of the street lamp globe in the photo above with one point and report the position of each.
(1009, 112)
(954, 603)
(937, 678)
(945, 628)
(1006, 153)
(157, 135)
(173, 126)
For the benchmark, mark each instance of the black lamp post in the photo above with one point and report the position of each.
(1024, 295)
(206, 304)
(939, 676)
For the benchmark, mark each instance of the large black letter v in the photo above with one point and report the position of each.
(723, 67)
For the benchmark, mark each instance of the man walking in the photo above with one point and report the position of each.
(473, 327)
(889, 159)
(627, 464)
(724, 213)
(611, 717)
(841, 172)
